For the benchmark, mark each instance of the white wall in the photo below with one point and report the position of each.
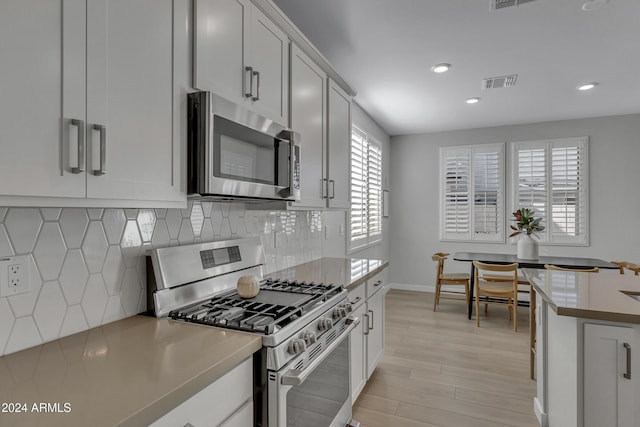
(614, 152)
(335, 245)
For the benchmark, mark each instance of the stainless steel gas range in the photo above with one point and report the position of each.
(301, 375)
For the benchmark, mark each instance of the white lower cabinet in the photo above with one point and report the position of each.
(227, 402)
(358, 355)
(367, 340)
(609, 398)
(587, 371)
(375, 330)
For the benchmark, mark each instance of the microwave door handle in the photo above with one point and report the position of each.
(294, 154)
(296, 377)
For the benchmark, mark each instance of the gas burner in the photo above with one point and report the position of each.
(279, 303)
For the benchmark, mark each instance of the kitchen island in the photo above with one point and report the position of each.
(133, 371)
(587, 358)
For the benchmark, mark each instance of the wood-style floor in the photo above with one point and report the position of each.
(440, 370)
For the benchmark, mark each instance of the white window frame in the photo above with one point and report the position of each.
(547, 237)
(472, 234)
(369, 237)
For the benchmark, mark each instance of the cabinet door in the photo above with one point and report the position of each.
(608, 396)
(338, 146)
(308, 109)
(133, 130)
(36, 130)
(269, 57)
(228, 400)
(375, 337)
(221, 29)
(358, 360)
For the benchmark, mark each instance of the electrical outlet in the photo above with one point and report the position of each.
(14, 275)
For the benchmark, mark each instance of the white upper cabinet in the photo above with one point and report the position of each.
(32, 135)
(93, 102)
(132, 131)
(338, 147)
(241, 55)
(308, 117)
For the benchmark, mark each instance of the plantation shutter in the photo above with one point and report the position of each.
(552, 180)
(374, 179)
(488, 196)
(358, 185)
(456, 194)
(366, 190)
(472, 200)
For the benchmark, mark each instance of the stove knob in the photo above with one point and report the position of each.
(324, 324)
(309, 337)
(339, 313)
(347, 306)
(296, 346)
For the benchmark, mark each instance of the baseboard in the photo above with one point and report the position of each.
(414, 288)
(540, 415)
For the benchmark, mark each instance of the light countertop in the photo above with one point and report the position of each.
(132, 371)
(350, 272)
(124, 373)
(597, 296)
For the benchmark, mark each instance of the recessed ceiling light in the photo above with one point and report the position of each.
(588, 86)
(441, 68)
(593, 5)
(472, 100)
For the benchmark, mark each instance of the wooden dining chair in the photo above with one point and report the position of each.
(449, 279)
(628, 265)
(505, 290)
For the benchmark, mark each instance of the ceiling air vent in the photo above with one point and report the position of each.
(501, 4)
(498, 82)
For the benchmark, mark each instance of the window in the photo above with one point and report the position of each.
(472, 193)
(552, 179)
(366, 191)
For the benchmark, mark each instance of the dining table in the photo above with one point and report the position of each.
(494, 258)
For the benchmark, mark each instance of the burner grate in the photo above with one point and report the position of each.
(277, 304)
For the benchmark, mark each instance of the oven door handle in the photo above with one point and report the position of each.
(296, 377)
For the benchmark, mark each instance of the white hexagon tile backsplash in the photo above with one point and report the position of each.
(88, 267)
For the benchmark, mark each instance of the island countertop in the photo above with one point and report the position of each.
(599, 296)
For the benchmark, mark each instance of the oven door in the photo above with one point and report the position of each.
(319, 395)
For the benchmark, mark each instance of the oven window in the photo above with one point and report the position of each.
(317, 402)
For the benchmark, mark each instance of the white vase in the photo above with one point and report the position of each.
(527, 248)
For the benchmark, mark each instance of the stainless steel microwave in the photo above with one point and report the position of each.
(234, 153)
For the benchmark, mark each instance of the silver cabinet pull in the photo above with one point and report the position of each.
(366, 331)
(357, 300)
(257, 74)
(378, 283)
(325, 188)
(372, 321)
(81, 159)
(333, 189)
(627, 347)
(103, 150)
(248, 71)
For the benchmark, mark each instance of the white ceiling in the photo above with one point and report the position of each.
(385, 48)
